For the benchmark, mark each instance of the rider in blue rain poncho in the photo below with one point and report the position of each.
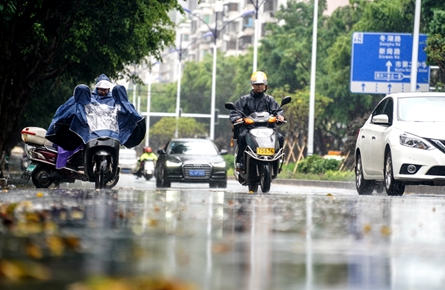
(87, 116)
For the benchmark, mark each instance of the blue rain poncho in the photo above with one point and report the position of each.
(85, 117)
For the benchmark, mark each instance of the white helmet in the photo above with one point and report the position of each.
(104, 84)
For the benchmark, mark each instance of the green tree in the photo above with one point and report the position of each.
(433, 15)
(285, 54)
(53, 42)
(333, 78)
(164, 130)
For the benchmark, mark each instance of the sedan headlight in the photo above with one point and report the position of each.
(414, 142)
(171, 163)
(219, 164)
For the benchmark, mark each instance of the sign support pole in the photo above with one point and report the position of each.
(415, 47)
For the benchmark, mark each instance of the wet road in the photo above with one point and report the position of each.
(292, 238)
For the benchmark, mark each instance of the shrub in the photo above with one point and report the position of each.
(229, 158)
(317, 165)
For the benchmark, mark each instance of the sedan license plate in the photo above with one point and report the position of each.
(265, 151)
(196, 173)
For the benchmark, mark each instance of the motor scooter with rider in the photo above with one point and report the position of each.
(259, 145)
(88, 134)
(146, 164)
(263, 156)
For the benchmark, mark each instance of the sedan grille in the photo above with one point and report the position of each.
(439, 144)
(436, 170)
(197, 171)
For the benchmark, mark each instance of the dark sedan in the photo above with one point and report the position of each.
(192, 161)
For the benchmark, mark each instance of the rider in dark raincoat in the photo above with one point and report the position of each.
(256, 101)
(87, 116)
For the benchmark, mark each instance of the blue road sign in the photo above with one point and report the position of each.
(381, 63)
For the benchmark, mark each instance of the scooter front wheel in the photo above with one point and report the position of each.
(265, 178)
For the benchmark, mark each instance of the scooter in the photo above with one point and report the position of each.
(263, 157)
(96, 162)
(146, 169)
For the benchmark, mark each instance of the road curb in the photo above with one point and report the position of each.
(317, 183)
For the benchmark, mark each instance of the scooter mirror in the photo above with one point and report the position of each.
(286, 100)
(229, 106)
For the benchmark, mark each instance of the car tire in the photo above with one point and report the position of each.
(364, 187)
(218, 184)
(393, 187)
(162, 181)
(158, 182)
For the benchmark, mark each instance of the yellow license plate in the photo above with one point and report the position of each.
(265, 151)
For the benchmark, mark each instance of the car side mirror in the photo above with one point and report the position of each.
(161, 151)
(223, 152)
(380, 119)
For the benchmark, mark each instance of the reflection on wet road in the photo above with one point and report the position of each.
(215, 239)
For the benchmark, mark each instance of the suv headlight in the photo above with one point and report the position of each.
(219, 164)
(414, 142)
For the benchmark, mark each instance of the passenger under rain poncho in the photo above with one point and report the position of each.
(85, 117)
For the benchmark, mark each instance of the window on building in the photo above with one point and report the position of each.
(245, 42)
(247, 22)
(231, 45)
(270, 6)
(207, 18)
(232, 27)
(194, 27)
(232, 7)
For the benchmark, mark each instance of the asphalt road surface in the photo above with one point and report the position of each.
(295, 237)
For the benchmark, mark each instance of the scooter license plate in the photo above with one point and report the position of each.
(30, 168)
(265, 151)
(196, 173)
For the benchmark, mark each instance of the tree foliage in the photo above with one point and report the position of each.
(164, 130)
(48, 46)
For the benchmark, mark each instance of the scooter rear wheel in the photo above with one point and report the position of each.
(100, 182)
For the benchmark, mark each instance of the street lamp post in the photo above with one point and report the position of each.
(257, 6)
(215, 33)
(178, 91)
(147, 133)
